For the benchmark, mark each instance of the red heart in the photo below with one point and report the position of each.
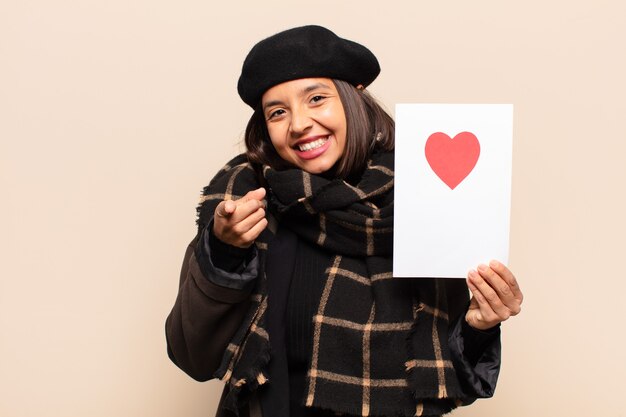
(452, 159)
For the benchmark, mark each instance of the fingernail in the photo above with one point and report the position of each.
(493, 263)
(482, 267)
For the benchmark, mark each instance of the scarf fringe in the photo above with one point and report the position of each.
(240, 390)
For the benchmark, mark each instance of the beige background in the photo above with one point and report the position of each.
(114, 114)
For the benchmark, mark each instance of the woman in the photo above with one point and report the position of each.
(292, 303)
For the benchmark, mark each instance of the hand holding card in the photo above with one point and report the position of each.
(496, 296)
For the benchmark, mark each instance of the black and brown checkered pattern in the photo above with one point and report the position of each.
(380, 344)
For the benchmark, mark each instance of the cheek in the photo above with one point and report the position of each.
(340, 123)
(343, 134)
(279, 142)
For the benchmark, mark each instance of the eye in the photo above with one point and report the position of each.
(276, 113)
(317, 99)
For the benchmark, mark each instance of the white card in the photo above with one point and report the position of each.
(452, 188)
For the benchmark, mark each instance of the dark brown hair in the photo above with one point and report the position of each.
(368, 127)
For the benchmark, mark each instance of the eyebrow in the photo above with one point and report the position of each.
(305, 90)
(315, 87)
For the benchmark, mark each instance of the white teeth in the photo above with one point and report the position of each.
(312, 145)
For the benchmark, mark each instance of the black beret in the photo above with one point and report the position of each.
(303, 52)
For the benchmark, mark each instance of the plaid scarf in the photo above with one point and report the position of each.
(380, 344)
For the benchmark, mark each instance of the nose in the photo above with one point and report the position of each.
(301, 122)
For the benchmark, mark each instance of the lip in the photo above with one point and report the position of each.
(313, 153)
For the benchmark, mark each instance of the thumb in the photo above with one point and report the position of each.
(229, 207)
(225, 208)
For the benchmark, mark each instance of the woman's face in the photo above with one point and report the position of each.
(306, 123)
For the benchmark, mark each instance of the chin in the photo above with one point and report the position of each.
(318, 169)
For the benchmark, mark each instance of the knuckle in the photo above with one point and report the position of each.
(252, 205)
(490, 316)
(492, 298)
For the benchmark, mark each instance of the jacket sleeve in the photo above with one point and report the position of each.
(476, 354)
(476, 358)
(207, 313)
(223, 264)
(203, 320)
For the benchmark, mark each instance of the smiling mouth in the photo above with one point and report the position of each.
(309, 146)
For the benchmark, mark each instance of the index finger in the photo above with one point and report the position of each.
(245, 209)
(257, 194)
(506, 274)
